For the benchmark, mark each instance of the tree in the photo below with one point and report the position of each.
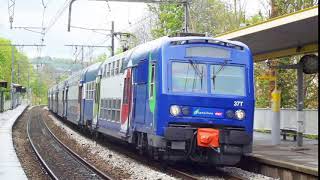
(274, 8)
(26, 72)
(170, 19)
(220, 16)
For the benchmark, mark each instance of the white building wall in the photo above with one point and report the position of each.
(288, 118)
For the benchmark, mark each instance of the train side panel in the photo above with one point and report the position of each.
(73, 101)
(111, 96)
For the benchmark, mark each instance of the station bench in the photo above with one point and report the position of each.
(289, 131)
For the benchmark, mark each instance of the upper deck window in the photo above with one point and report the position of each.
(210, 52)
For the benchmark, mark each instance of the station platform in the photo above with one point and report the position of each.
(10, 167)
(286, 155)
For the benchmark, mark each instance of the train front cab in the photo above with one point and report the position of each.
(205, 100)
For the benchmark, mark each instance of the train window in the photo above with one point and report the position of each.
(151, 90)
(108, 109)
(109, 70)
(109, 103)
(119, 104)
(227, 80)
(125, 91)
(118, 116)
(101, 110)
(189, 77)
(112, 69)
(113, 115)
(114, 104)
(105, 70)
(105, 110)
(90, 90)
(116, 71)
(210, 52)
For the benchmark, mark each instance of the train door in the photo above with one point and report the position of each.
(140, 91)
(96, 105)
(126, 103)
(66, 102)
(63, 103)
(80, 103)
(57, 96)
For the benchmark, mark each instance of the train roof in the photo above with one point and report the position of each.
(91, 72)
(142, 51)
(133, 56)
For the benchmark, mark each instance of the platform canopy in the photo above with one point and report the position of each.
(292, 34)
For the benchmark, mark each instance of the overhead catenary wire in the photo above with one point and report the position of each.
(58, 15)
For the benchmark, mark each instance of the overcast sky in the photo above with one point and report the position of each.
(85, 13)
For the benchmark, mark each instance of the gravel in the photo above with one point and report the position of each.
(242, 173)
(123, 167)
(27, 158)
(126, 167)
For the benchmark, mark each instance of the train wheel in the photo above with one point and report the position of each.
(96, 135)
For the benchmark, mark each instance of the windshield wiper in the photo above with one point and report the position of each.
(215, 74)
(200, 74)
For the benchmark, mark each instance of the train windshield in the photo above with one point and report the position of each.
(193, 77)
(227, 80)
(189, 77)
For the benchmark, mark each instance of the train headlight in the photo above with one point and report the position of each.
(240, 114)
(230, 114)
(175, 110)
(185, 111)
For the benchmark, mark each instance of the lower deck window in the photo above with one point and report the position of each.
(110, 109)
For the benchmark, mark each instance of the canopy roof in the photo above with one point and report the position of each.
(292, 34)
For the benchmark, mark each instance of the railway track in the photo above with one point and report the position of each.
(179, 172)
(59, 161)
(183, 173)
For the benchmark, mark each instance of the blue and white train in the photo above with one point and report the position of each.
(175, 98)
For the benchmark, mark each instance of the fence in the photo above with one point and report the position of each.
(288, 118)
(5, 101)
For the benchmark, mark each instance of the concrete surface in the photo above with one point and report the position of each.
(10, 167)
(288, 118)
(287, 154)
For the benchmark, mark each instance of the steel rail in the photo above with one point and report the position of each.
(39, 157)
(68, 150)
(90, 166)
(158, 165)
(182, 174)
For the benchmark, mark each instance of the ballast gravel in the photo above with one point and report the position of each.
(116, 160)
(130, 168)
(246, 174)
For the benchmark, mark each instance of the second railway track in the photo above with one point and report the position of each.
(59, 161)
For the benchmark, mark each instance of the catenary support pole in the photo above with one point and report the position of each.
(186, 16)
(1, 101)
(12, 77)
(112, 38)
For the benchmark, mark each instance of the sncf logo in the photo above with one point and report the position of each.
(218, 113)
(198, 112)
